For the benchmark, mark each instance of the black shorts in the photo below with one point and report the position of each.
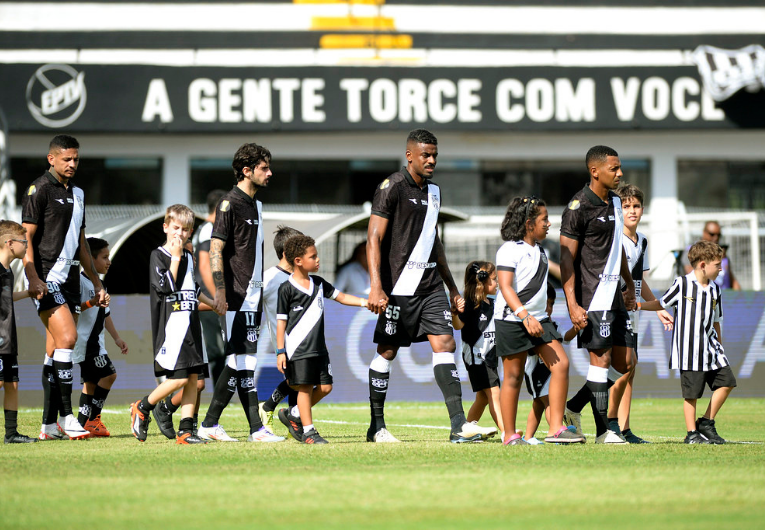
(411, 319)
(693, 383)
(205, 373)
(310, 371)
(96, 367)
(240, 331)
(181, 373)
(606, 329)
(9, 368)
(482, 376)
(60, 294)
(513, 338)
(537, 377)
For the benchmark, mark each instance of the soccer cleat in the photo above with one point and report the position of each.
(264, 435)
(471, 428)
(216, 432)
(707, 429)
(164, 419)
(574, 419)
(19, 439)
(266, 416)
(188, 438)
(139, 422)
(610, 437)
(96, 427)
(293, 424)
(313, 437)
(696, 437)
(564, 436)
(382, 436)
(51, 432)
(516, 439)
(72, 428)
(533, 441)
(633, 438)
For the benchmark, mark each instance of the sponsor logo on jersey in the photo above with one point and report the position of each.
(70, 262)
(436, 202)
(447, 315)
(56, 95)
(182, 300)
(421, 265)
(379, 383)
(100, 361)
(390, 328)
(297, 308)
(256, 284)
(414, 201)
(31, 190)
(605, 329)
(609, 278)
(224, 206)
(574, 205)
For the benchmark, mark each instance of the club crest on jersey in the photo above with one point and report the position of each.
(436, 201)
(543, 257)
(574, 205)
(252, 335)
(100, 361)
(224, 206)
(163, 350)
(483, 318)
(605, 330)
(320, 302)
(390, 328)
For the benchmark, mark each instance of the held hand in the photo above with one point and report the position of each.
(578, 317)
(459, 303)
(102, 298)
(219, 302)
(666, 319)
(122, 346)
(378, 301)
(37, 288)
(533, 326)
(629, 299)
(281, 362)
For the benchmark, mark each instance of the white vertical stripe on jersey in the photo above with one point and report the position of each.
(410, 277)
(85, 323)
(177, 326)
(603, 298)
(307, 322)
(251, 301)
(60, 271)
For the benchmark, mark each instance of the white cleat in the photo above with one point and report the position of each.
(610, 437)
(265, 436)
(51, 432)
(72, 428)
(383, 436)
(214, 433)
(573, 418)
(471, 428)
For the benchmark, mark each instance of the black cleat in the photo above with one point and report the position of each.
(293, 424)
(313, 437)
(188, 438)
(633, 438)
(19, 439)
(164, 420)
(696, 438)
(707, 428)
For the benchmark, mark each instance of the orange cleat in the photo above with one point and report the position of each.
(96, 427)
(188, 438)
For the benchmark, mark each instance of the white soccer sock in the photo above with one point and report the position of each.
(380, 364)
(307, 428)
(597, 374)
(295, 412)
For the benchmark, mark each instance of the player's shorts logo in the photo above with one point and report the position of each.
(455, 374)
(605, 330)
(329, 369)
(56, 95)
(162, 351)
(100, 361)
(390, 328)
(59, 298)
(252, 335)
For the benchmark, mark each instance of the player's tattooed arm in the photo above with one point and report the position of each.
(216, 266)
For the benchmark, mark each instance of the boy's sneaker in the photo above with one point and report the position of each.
(610, 437)
(51, 432)
(266, 416)
(471, 428)
(293, 424)
(313, 437)
(19, 439)
(216, 432)
(381, 436)
(72, 428)
(696, 437)
(573, 419)
(533, 441)
(633, 438)
(264, 435)
(564, 436)
(96, 428)
(516, 439)
(707, 429)
(188, 438)
(139, 422)
(164, 419)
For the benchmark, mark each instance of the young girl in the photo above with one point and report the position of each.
(522, 326)
(478, 351)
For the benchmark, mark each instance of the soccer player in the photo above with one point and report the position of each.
(236, 261)
(13, 245)
(697, 349)
(408, 269)
(96, 368)
(53, 212)
(301, 353)
(592, 261)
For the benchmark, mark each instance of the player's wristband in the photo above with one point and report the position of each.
(175, 258)
(88, 304)
(519, 311)
(281, 351)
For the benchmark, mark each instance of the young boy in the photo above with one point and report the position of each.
(697, 349)
(13, 245)
(96, 369)
(301, 353)
(176, 330)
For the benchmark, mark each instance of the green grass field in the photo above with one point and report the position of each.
(425, 482)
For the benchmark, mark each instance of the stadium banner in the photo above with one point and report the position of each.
(141, 99)
(349, 339)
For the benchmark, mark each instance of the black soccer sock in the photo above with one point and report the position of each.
(378, 391)
(11, 422)
(613, 424)
(449, 383)
(62, 371)
(97, 401)
(146, 407)
(170, 406)
(279, 393)
(51, 396)
(224, 390)
(599, 402)
(83, 414)
(186, 424)
(580, 399)
(292, 398)
(248, 396)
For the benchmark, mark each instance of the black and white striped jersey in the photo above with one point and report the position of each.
(59, 213)
(175, 327)
(408, 263)
(478, 334)
(529, 264)
(303, 309)
(695, 344)
(239, 222)
(597, 226)
(8, 340)
(272, 280)
(637, 258)
(90, 325)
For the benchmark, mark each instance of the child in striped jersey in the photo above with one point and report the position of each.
(697, 349)
(478, 351)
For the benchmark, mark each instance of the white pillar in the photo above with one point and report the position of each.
(665, 235)
(176, 179)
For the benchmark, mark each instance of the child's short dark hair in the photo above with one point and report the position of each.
(630, 191)
(704, 251)
(96, 245)
(520, 210)
(283, 234)
(477, 276)
(296, 247)
(11, 230)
